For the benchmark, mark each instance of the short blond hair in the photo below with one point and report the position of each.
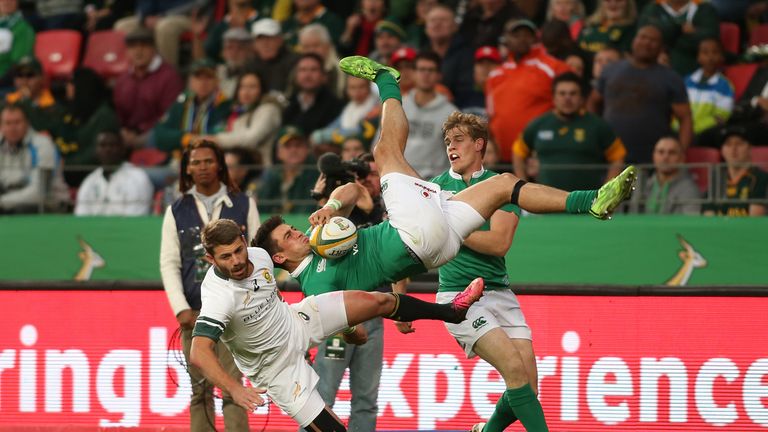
(475, 126)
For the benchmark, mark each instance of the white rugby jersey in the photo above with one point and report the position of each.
(249, 315)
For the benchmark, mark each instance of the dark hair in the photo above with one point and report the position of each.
(90, 94)
(712, 39)
(568, 77)
(315, 57)
(185, 180)
(367, 157)
(263, 238)
(15, 107)
(220, 232)
(429, 56)
(263, 85)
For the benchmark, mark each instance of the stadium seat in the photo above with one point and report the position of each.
(740, 75)
(730, 37)
(105, 53)
(148, 156)
(760, 156)
(58, 51)
(701, 155)
(759, 35)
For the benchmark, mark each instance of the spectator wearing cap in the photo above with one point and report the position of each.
(17, 39)
(312, 104)
(388, 39)
(315, 39)
(169, 19)
(310, 12)
(487, 58)
(683, 23)
(236, 53)
(241, 15)
(285, 186)
(144, 92)
(273, 60)
(521, 89)
(358, 35)
(637, 96)
(483, 23)
(455, 54)
(612, 25)
(32, 94)
(742, 182)
(670, 189)
(201, 110)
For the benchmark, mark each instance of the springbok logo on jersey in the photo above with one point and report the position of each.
(247, 299)
(296, 389)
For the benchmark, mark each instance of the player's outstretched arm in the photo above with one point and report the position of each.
(340, 203)
(203, 356)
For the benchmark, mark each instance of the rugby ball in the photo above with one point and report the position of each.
(334, 239)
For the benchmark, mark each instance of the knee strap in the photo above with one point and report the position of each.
(326, 421)
(516, 191)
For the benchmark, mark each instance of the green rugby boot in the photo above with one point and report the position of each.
(363, 67)
(613, 193)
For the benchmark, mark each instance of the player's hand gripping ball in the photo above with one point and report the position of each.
(334, 239)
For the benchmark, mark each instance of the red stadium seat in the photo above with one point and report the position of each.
(58, 51)
(760, 157)
(701, 155)
(759, 35)
(740, 75)
(730, 37)
(147, 157)
(105, 53)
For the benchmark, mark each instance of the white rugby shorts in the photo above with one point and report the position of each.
(429, 223)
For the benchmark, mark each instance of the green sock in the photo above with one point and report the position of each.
(388, 87)
(580, 201)
(502, 417)
(527, 408)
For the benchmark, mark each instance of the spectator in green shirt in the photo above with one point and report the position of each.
(310, 12)
(17, 39)
(285, 187)
(612, 25)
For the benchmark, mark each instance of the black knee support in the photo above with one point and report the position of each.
(516, 191)
(326, 421)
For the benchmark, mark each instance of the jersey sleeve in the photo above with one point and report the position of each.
(216, 312)
(613, 148)
(522, 146)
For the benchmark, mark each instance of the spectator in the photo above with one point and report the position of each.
(556, 38)
(640, 97)
(611, 26)
(273, 60)
(670, 190)
(32, 94)
(315, 39)
(751, 110)
(310, 12)
(241, 15)
(416, 31)
(483, 23)
(710, 93)
(603, 58)
(683, 23)
(487, 58)
(89, 112)
(576, 63)
(352, 148)
(285, 187)
(169, 19)
(209, 195)
(358, 35)
(570, 12)
(143, 93)
(60, 14)
(254, 119)
(426, 110)
(455, 54)
(17, 39)
(117, 187)
(30, 169)
(388, 38)
(102, 14)
(236, 53)
(312, 105)
(741, 182)
(244, 168)
(358, 118)
(568, 137)
(521, 89)
(201, 110)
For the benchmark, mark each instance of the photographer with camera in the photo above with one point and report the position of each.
(335, 355)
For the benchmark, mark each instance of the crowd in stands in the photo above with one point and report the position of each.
(572, 90)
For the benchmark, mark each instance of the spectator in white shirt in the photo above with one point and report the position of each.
(117, 188)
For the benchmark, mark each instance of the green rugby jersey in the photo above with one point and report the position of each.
(594, 38)
(379, 256)
(457, 273)
(753, 184)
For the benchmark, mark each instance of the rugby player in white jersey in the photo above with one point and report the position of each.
(268, 338)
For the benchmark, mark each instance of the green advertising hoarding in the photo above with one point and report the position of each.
(628, 250)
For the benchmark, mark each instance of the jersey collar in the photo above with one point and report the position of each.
(302, 265)
(475, 174)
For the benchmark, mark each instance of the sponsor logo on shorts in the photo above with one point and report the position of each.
(425, 194)
(425, 188)
(296, 390)
(476, 324)
(304, 316)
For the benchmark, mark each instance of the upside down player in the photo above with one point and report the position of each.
(268, 338)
